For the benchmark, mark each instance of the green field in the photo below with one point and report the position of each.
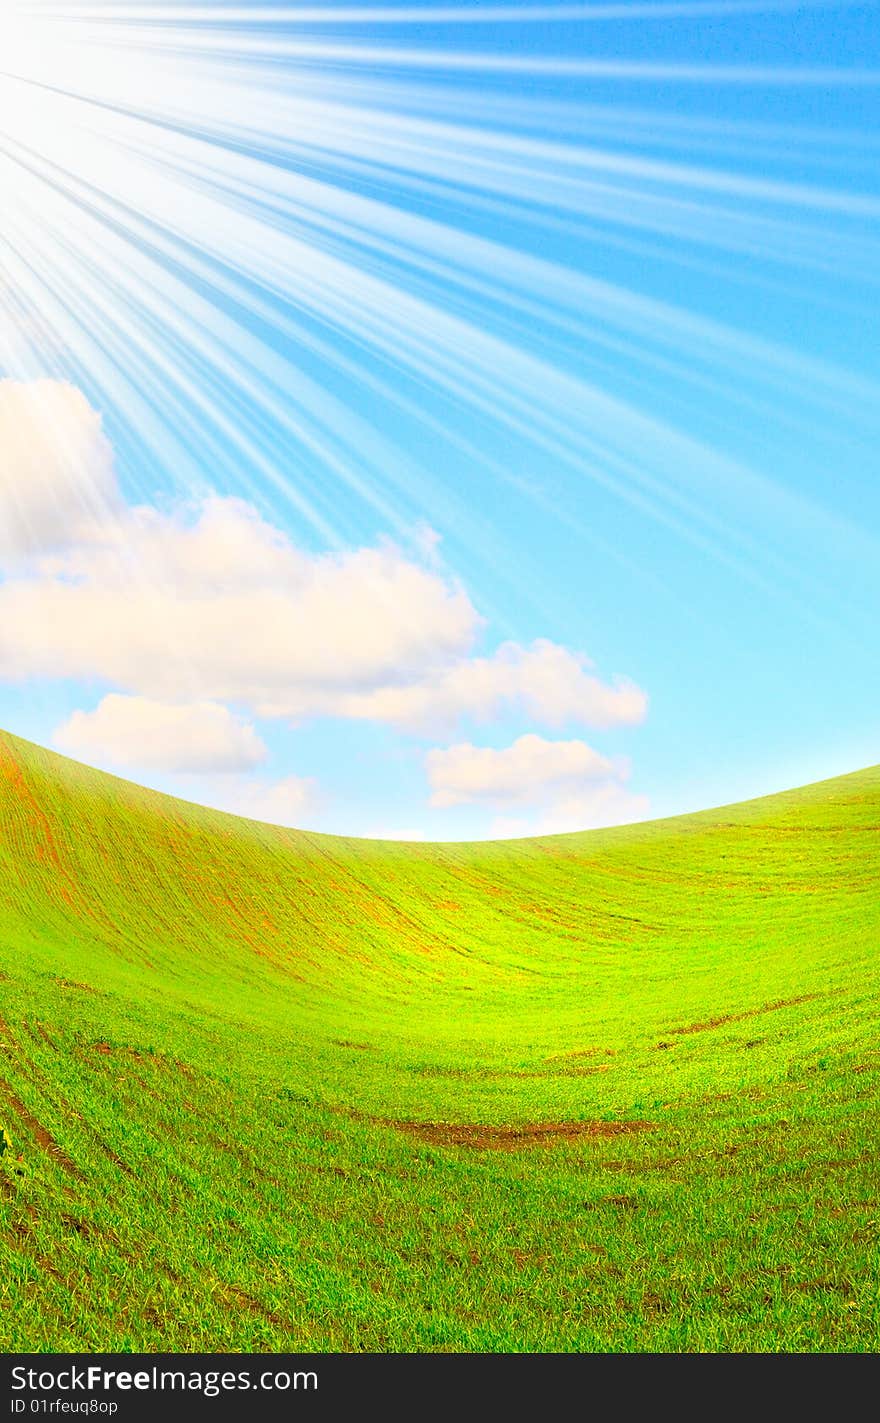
(266, 1089)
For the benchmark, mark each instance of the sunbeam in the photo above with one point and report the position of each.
(248, 228)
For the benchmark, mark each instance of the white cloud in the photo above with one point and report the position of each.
(545, 681)
(210, 603)
(223, 607)
(609, 804)
(571, 786)
(216, 604)
(523, 772)
(290, 801)
(135, 731)
(56, 466)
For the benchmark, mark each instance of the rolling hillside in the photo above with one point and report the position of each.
(269, 1089)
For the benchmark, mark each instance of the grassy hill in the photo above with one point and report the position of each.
(268, 1089)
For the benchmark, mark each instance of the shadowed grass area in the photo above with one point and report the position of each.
(264, 1089)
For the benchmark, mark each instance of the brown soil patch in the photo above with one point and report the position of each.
(76, 1226)
(232, 1296)
(86, 1051)
(116, 1159)
(485, 1074)
(483, 1137)
(45, 1140)
(581, 1052)
(739, 1017)
(72, 984)
(22, 1238)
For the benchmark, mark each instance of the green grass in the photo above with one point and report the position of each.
(269, 1090)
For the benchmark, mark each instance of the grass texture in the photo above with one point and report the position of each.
(264, 1089)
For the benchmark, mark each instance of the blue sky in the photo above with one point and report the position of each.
(417, 424)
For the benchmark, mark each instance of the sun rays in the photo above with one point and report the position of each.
(270, 236)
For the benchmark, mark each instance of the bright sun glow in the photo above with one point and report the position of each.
(20, 35)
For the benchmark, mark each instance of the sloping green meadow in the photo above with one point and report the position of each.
(264, 1089)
